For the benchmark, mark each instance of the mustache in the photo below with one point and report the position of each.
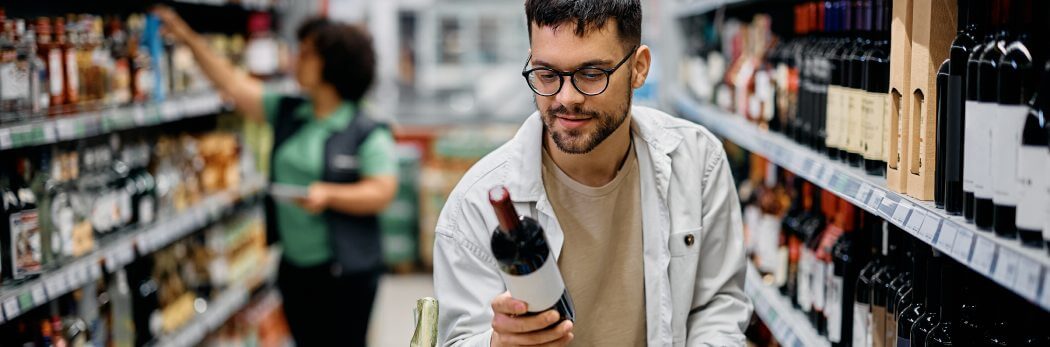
(553, 111)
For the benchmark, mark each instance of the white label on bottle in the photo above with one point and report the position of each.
(819, 273)
(54, 65)
(1006, 140)
(72, 72)
(146, 204)
(981, 260)
(833, 311)
(832, 121)
(14, 81)
(875, 110)
(861, 325)
(805, 278)
(540, 289)
(982, 159)
(1032, 180)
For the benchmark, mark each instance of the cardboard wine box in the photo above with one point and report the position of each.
(900, 95)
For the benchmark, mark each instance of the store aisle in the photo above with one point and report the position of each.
(392, 322)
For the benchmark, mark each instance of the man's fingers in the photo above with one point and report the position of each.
(544, 337)
(508, 305)
(523, 324)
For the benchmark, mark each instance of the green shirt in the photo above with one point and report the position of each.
(300, 161)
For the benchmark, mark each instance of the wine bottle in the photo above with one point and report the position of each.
(880, 283)
(942, 335)
(912, 312)
(999, 327)
(876, 80)
(943, 75)
(791, 226)
(810, 283)
(857, 63)
(824, 268)
(1016, 86)
(520, 246)
(988, 94)
(929, 319)
(971, 326)
(848, 255)
(1032, 161)
(903, 256)
(426, 313)
(832, 123)
(976, 134)
(964, 44)
(862, 317)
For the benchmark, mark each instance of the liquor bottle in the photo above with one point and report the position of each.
(1016, 85)
(142, 77)
(862, 314)
(943, 75)
(1033, 330)
(823, 266)
(71, 78)
(426, 313)
(50, 52)
(972, 309)
(880, 283)
(848, 258)
(1032, 161)
(905, 255)
(855, 84)
(531, 272)
(876, 80)
(23, 220)
(16, 70)
(944, 333)
(1001, 321)
(117, 42)
(832, 124)
(791, 225)
(959, 79)
(123, 324)
(987, 96)
(929, 319)
(812, 225)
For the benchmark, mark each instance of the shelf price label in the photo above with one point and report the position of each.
(946, 237)
(5, 138)
(1045, 299)
(929, 228)
(863, 193)
(1027, 282)
(875, 199)
(963, 242)
(55, 285)
(983, 252)
(915, 220)
(902, 211)
(11, 307)
(1006, 267)
(38, 294)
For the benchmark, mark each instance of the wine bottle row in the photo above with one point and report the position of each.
(862, 281)
(947, 100)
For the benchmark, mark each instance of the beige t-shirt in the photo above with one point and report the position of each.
(601, 259)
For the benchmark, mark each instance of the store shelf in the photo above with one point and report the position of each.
(789, 326)
(251, 5)
(93, 123)
(1022, 270)
(120, 251)
(696, 7)
(221, 308)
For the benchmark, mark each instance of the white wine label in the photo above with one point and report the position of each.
(805, 278)
(834, 309)
(855, 119)
(875, 107)
(1032, 185)
(982, 159)
(819, 294)
(54, 65)
(1006, 139)
(72, 72)
(970, 132)
(540, 289)
(832, 122)
(861, 325)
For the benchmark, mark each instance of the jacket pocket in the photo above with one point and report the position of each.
(342, 168)
(684, 247)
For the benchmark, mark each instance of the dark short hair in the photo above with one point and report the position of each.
(348, 58)
(588, 15)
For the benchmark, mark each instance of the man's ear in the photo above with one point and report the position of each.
(643, 59)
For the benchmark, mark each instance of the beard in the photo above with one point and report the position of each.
(580, 141)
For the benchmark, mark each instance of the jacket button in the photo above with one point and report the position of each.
(689, 239)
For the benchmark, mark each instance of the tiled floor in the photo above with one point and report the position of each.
(392, 322)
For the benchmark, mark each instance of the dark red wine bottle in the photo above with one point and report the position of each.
(521, 249)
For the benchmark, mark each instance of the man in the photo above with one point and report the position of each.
(639, 207)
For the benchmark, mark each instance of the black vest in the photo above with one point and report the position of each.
(354, 239)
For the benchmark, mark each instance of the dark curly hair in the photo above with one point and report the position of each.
(588, 15)
(348, 58)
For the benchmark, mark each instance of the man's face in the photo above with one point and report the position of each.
(308, 65)
(578, 123)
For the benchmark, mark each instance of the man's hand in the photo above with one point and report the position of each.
(509, 328)
(316, 200)
(173, 24)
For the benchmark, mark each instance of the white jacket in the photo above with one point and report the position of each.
(694, 292)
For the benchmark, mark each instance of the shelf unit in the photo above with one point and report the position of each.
(687, 8)
(789, 326)
(246, 4)
(1022, 270)
(221, 308)
(93, 123)
(120, 250)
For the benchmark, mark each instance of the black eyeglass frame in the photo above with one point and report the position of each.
(571, 74)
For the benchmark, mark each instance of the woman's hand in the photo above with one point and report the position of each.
(317, 198)
(173, 23)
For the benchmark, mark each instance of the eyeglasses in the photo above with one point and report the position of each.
(588, 80)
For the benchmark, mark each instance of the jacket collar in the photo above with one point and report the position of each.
(527, 158)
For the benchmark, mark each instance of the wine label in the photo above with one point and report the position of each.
(874, 117)
(853, 119)
(72, 74)
(14, 80)
(540, 289)
(54, 66)
(146, 207)
(780, 275)
(831, 124)
(878, 326)
(1006, 140)
(819, 273)
(861, 324)
(26, 251)
(805, 278)
(833, 311)
(1032, 181)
